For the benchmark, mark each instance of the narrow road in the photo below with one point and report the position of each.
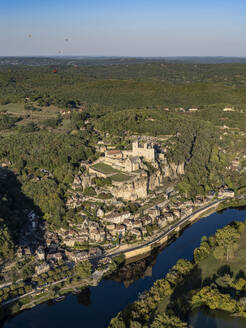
(170, 229)
(147, 243)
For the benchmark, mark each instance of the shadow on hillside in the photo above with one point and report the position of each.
(19, 216)
(179, 304)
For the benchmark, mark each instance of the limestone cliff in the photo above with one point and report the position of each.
(155, 180)
(132, 190)
(172, 169)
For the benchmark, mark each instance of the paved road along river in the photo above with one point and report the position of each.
(96, 306)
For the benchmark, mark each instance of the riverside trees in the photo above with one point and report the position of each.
(184, 287)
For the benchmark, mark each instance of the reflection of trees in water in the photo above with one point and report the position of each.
(129, 273)
(84, 298)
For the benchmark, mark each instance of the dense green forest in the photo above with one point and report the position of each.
(51, 121)
(126, 86)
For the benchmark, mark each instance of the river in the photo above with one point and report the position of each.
(94, 307)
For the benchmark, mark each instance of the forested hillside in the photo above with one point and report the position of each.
(126, 86)
(50, 121)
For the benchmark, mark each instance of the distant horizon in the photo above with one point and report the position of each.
(117, 56)
(116, 28)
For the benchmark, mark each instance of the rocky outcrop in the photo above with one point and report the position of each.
(155, 180)
(83, 180)
(132, 190)
(172, 169)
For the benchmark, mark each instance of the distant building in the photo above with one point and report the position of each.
(42, 268)
(132, 164)
(115, 153)
(117, 218)
(147, 151)
(228, 109)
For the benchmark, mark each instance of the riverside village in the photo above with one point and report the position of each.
(124, 200)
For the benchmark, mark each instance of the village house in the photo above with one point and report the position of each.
(105, 261)
(77, 256)
(19, 252)
(188, 211)
(54, 244)
(162, 222)
(100, 213)
(128, 223)
(137, 224)
(27, 251)
(110, 227)
(117, 218)
(84, 226)
(114, 154)
(71, 241)
(119, 229)
(40, 253)
(153, 212)
(143, 231)
(189, 203)
(146, 220)
(176, 213)
(137, 233)
(228, 109)
(93, 225)
(169, 217)
(54, 256)
(235, 164)
(97, 235)
(226, 193)
(95, 252)
(42, 268)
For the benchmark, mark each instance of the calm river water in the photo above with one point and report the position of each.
(94, 307)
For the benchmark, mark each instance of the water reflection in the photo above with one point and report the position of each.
(97, 307)
(131, 272)
(84, 297)
(204, 318)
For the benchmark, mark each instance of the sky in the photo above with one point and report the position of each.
(123, 28)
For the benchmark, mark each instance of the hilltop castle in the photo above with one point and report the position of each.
(130, 160)
(147, 151)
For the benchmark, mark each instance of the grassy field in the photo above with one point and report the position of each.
(120, 177)
(37, 117)
(104, 168)
(30, 116)
(211, 265)
(18, 109)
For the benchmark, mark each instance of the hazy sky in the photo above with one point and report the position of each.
(123, 27)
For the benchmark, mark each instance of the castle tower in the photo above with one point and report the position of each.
(135, 145)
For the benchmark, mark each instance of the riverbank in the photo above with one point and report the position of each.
(211, 278)
(169, 261)
(95, 306)
(161, 238)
